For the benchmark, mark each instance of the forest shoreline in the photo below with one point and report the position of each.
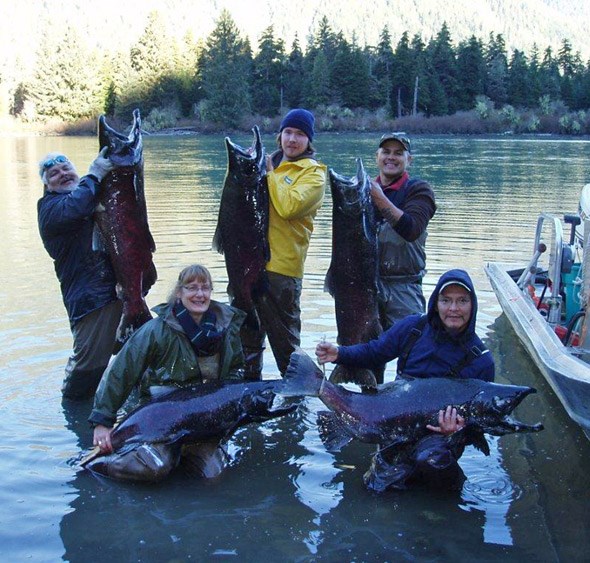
(462, 123)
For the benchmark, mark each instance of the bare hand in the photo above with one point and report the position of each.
(102, 438)
(269, 165)
(377, 194)
(448, 421)
(326, 352)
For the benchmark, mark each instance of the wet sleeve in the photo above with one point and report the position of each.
(302, 197)
(124, 373)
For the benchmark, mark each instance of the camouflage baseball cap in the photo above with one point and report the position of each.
(398, 136)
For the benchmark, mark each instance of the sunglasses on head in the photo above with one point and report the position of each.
(60, 159)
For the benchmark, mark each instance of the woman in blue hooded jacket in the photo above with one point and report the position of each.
(442, 343)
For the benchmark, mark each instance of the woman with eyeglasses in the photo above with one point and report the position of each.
(65, 218)
(194, 339)
(441, 343)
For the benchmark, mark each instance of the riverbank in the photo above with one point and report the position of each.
(472, 122)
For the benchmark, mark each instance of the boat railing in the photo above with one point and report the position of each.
(554, 300)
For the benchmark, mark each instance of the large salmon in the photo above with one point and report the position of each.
(121, 217)
(188, 415)
(395, 417)
(242, 227)
(352, 276)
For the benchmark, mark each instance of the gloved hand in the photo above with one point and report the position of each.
(101, 165)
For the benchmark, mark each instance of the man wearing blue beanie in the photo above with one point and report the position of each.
(296, 185)
(300, 119)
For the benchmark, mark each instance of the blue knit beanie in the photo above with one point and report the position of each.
(300, 119)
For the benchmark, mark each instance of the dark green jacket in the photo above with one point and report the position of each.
(159, 353)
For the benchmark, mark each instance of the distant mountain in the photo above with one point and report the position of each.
(116, 24)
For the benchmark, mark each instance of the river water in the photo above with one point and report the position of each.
(285, 498)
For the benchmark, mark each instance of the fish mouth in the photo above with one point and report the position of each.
(351, 195)
(503, 407)
(250, 160)
(122, 150)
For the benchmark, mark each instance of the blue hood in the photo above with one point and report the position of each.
(453, 276)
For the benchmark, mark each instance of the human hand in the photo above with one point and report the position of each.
(448, 421)
(101, 165)
(326, 352)
(102, 438)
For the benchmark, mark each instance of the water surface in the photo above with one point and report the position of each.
(285, 497)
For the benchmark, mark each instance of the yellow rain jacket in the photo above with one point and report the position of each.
(296, 191)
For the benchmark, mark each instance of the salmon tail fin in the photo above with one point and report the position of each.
(252, 320)
(129, 323)
(302, 377)
(333, 432)
(345, 374)
(218, 241)
(92, 455)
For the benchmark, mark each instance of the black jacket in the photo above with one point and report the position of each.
(66, 226)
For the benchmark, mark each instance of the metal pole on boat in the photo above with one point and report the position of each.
(585, 297)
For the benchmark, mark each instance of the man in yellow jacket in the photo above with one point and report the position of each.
(296, 184)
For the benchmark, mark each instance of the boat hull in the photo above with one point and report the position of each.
(568, 375)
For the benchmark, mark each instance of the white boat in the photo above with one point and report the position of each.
(545, 302)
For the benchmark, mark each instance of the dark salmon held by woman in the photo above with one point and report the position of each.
(188, 415)
(121, 217)
(352, 276)
(395, 417)
(242, 227)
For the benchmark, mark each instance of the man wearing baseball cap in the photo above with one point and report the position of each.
(405, 205)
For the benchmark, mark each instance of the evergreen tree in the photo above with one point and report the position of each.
(422, 83)
(269, 71)
(225, 70)
(444, 66)
(471, 72)
(151, 83)
(319, 93)
(534, 84)
(323, 42)
(570, 66)
(381, 72)
(549, 77)
(66, 83)
(293, 83)
(402, 78)
(518, 80)
(350, 74)
(496, 87)
(185, 72)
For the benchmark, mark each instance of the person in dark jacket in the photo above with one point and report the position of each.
(193, 340)
(405, 205)
(442, 343)
(65, 218)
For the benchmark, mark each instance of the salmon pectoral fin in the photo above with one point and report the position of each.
(130, 322)
(333, 432)
(360, 376)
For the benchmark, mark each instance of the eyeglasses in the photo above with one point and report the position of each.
(194, 289)
(460, 302)
(60, 159)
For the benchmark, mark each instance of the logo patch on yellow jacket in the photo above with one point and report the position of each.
(288, 180)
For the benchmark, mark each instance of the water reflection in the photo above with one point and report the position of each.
(285, 496)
